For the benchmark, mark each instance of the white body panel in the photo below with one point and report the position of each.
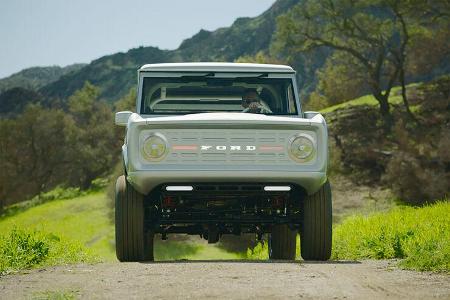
(224, 147)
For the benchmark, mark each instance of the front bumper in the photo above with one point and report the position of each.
(145, 181)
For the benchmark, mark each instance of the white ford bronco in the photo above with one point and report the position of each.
(222, 148)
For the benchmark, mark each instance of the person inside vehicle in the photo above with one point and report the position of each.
(252, 103)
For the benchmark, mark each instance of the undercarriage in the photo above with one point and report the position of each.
(213, 209)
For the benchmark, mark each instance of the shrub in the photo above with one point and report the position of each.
(22, 249)
(358, 143)
(416, 181)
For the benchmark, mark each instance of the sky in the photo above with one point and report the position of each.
(63, 32)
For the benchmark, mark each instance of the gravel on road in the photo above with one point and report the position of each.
(228, 280)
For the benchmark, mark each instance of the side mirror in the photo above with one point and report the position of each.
(310, 114)
(122, 117)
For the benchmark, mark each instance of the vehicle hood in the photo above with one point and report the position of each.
(226, 118)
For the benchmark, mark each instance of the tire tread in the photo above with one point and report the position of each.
(132, 242)
(283, 244)
(316, 229)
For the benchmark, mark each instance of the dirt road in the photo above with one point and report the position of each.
(228, 280)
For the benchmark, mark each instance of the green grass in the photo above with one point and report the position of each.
(395, 98)
(261, 251)
(83, 224)
(418, 236)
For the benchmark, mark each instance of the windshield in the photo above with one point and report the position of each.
(197, 94)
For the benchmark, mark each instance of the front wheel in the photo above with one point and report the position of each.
(282, 243)
(133, 243)
(316, 227)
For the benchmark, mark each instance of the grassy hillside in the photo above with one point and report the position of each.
(85, 220)
(394, 99)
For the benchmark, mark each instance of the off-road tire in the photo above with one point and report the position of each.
(282, 243)
(316, 227)
(132, 242)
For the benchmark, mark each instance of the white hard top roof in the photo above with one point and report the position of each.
(216, 67)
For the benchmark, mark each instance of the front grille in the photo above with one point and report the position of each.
(250, 146)
(228, 187)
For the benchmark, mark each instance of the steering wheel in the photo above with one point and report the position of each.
(262, 110)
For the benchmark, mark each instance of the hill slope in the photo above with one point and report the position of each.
(116, 74)
(36, 77)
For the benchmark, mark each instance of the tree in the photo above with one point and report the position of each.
(128, 102)
(415, 17)
(46, 137)
(260, 58)
(6, 160)
(368, 30)
(95, 147)
(315, 102)
(429, 27)
(341, 79)
(42, 148)
(34, 152)
(422, 64)
(400, 10)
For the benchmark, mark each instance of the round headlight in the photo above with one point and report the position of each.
(302, 148)
(154, 147)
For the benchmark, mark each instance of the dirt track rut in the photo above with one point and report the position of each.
(229, 280)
